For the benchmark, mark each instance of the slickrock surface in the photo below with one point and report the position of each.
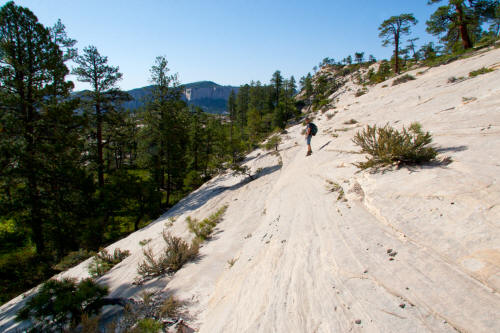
(411, 249)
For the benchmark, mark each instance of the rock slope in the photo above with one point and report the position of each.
(411, 249)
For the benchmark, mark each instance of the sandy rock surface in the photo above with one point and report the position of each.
(414, 249)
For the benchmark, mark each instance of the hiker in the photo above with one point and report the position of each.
(311, 130)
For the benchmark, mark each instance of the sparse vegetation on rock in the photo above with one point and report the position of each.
(482, 70)
(103, 261)
(387, 146)
(335, 187)
(403, 79)
(203, 229)
(176, 253)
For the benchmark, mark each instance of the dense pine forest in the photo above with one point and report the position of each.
(79, 171)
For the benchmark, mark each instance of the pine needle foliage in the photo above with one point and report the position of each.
(62, 302)
(387, 146)
(203, 229)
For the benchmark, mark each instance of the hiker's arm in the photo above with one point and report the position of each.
(308, 131)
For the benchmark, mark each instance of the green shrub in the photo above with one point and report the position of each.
(387, 146)
(58, 303)
(403, 79)
(147, 325)
(273, 143)
(204, 229)
(360, 92)
(480, 71)
(73, 258)
(103, 261)
(176, 253)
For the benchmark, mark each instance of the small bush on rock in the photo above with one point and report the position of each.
(482, 70)
(387, 146)
(147, 325)
(273, 143)
(204, 229)
(61, 302)
(403, 79)
(176, 254)
(103, 261)
(360, 92)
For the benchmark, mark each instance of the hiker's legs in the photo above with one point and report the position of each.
(308, 140)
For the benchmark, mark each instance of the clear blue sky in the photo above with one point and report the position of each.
(229, 42)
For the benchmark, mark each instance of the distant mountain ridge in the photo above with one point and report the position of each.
(208, 95)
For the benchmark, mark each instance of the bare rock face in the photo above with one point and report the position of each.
(212, 92)
(208, 95)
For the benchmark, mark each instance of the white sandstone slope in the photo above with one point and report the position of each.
(308, 262)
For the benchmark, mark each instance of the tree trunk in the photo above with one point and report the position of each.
(34, 197)
(396, 52)
(100, 161)
(462, 26)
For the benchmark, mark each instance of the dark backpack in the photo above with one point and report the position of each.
(314, 128)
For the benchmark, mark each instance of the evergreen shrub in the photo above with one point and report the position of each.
(273, 143)
(480, 71)
(176, 253)
(387, 146)
(103, 261)
(403, 79)
(62, 302)
(148, 325)
(203, 229)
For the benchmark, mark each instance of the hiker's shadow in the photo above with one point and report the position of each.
(326, 144)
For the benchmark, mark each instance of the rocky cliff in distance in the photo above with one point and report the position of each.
(208, 95)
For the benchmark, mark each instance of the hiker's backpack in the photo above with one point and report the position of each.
(314, 128)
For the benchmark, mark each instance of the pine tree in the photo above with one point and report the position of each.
(391, 31)
(460, 19)
(165, 133)
(242, 101)
(231, 108)
(411, 47)
(41, 183)
(359, 57)
(93, 69)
